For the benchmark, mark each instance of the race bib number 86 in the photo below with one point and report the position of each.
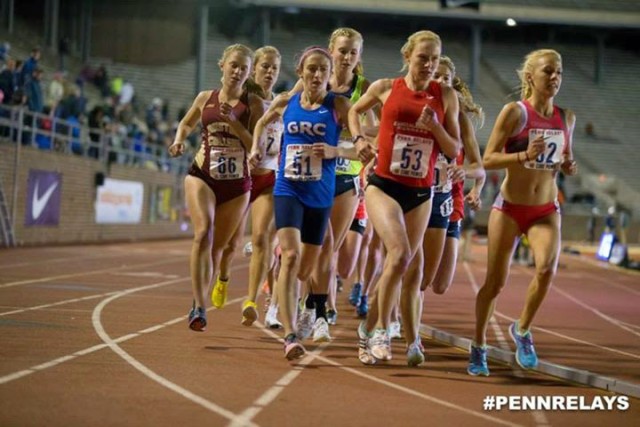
(226, 163)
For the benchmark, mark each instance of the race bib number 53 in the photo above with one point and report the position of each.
(411, 155)
(552, 155)
(301, 164)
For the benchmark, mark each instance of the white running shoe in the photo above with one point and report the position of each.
(247, 250)
(321, 331)
(364, 352)
(380, 344)
(305, 323)
(394, 330)
(271, 318)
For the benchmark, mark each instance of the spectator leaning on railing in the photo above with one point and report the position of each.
(33, 92)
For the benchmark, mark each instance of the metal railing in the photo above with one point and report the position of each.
(19, 125)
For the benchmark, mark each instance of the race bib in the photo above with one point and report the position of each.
(552, 155)
(274, 136)
(272, 139)
(441, 181)
(301, 164)
(226, 163)
(411, 155)
(446, 208)
(342, 164)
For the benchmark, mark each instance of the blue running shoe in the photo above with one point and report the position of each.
(197, 318)
(525, 353)
(354, 296)
(477, 361)
(363, 307)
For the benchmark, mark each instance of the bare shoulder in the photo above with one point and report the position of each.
(571, 117)
(511, 111)
(380, 86)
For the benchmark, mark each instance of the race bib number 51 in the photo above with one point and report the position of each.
(552, 155)
(301, 164)
(226, 163)
(411, 155)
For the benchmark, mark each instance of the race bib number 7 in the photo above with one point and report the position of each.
(301, 164)
(411, 155)
(552, 155)
(226, 163)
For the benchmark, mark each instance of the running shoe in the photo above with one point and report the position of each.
(363, 307)
(525, 352)
(321, 331)
(271, 318)
(364, 351)
(219, 294)
(292, 348)
(249, 313)
(305, 323)
(332, 317)
(354, 296)
(477, 361)
(197, 318)
(247, 250)
(267, 302)
(415, 356)
(380, 344)
(394, 330)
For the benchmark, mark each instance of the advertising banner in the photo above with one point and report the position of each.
(43, 198)
(119, 202)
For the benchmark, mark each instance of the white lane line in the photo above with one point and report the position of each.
(595, 311)
(539, 417)
(113, 345)
(588, 307)
(246, 416)
(89, 273)
(55, 304)
(316, 355)
(39, 261)
(33, 369)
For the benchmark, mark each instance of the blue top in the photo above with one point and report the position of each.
(297, 176)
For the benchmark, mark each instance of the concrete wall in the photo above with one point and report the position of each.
(77, 207)
(142, 32)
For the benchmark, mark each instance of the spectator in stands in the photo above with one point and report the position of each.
(74, 104)
(126, 94)
(5, 48)
(532, 140)
(101, 80)
(33, 91)
(55, 92)
(97, 126)
(18, 75)
(64, 48)
(8, 81)
(30, 65)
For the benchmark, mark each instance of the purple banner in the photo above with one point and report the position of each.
(43, 198)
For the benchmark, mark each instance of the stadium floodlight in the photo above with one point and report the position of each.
(511, 22)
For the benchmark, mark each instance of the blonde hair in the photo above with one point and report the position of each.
(464, 93)
(349, 33)
(416, 38)
(250, 85)
(235, 48)
(527, 68)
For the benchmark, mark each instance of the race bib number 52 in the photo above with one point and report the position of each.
(411, 155)
(552, 155)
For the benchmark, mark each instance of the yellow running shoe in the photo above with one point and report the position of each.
(249, 313)
(219, 294)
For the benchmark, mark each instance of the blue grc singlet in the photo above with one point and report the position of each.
(300, 174)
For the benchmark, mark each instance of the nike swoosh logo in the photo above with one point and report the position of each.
(323, 111)
(422, 194)
(39, 203)
(413, 144)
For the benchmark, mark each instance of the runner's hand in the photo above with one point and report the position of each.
(177, 148)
